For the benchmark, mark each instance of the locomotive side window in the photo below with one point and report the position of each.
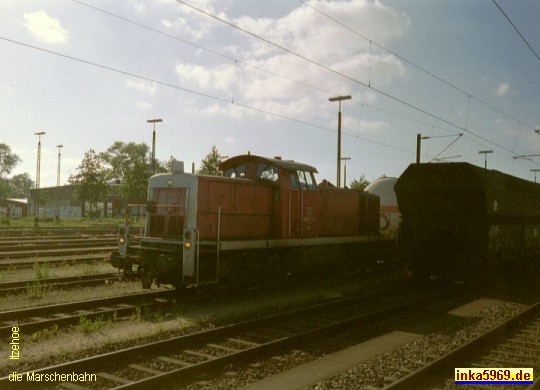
(267, 172)
(302, 180)
(310, 181)
(292, 180)
(306, 181)
(236, 172)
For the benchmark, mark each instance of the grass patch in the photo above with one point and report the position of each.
(45, 334)
(65, 270)
(36, 290)
(60, 296)
(41, 270)
(88, 325)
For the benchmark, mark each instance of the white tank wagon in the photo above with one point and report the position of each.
(390, 215)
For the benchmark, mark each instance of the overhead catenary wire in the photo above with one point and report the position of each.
(422, 69)
(207, 95)
(328, 68)
(516, 29)
(202, 94)
(237, 61)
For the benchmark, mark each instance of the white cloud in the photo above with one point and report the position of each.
(45, 28)
(310, 34)
(138, 6)
(231, 111)
(143, 86)
(503, 89)
(216, 78)
(143, 105)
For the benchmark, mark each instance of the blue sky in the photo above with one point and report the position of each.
(89, 77)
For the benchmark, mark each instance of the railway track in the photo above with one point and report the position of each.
(68, 249)
(515, 343)
(64, 314)
(70, 257)
(72, 231)
(40, 243)
(179, 359)
(7, 288)
(23, 252)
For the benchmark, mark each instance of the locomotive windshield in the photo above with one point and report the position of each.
(267, 172)
(167, 218)
(236, 172)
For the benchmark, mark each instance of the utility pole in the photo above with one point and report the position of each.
(154, 121)
(38, 174)
(345, 171)
(58, 182)
(339, 99)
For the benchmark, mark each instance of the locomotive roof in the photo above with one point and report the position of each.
(288, 165)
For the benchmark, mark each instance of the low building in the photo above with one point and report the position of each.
(13, 208)
(61, 202)
(56, 202)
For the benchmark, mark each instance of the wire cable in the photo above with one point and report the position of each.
(429, 73)
(206, 95)
(515, 28)
(307, 59)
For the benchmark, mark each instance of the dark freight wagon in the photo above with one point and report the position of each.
(462, 221)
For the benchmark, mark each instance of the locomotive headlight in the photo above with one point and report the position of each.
(187, 244)
(122, 240)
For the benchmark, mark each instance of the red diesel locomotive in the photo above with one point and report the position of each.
(265, 217)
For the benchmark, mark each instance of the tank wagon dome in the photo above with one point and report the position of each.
(389, 211)
(384, 189)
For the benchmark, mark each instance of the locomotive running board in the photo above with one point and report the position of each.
(294, 242)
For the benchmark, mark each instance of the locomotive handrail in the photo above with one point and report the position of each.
(129, 206)
(217, 244)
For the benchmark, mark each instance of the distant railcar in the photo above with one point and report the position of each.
(465, 222)
(264, 216)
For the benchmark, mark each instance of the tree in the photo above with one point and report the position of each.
(136, 181)
(131, 163)
(121, 156)
(20, 185)
(359, 184)
(5, 191)
(91, 180)
(8, 160)
(210, 164)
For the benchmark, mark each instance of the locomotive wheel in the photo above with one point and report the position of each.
(115, 260)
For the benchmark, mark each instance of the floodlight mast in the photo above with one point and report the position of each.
(339, 99)
(38, 174)
(154, 121)
(485, 153)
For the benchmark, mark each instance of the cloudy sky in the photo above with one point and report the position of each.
(253, 75)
